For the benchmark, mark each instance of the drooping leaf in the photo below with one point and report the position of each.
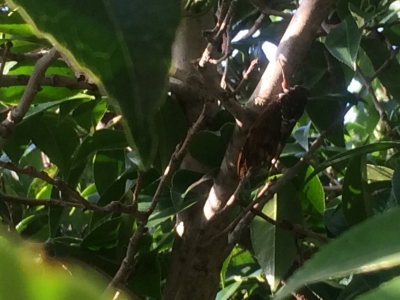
(381, 146)
(371, 245)
(130, 44)
(275, 247)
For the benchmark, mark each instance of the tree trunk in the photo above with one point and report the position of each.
(200, 249)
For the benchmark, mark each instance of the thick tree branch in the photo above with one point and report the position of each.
(261, 200)
(16, 114)
(292, 48)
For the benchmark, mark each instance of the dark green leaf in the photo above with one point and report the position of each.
(274, 247)
(57, 140)
(343, 41)
(371, 245)
(107, 166)
(131, 42)
(105, 139)
(357, 205)
(103, 236)
(381, 146)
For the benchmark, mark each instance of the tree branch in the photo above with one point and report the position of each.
(292, 48)
(16, 114)
(52, 80)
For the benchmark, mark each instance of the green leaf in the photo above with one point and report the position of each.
(171, 129)
(107, 166)
(274, 247)
(228, 291)
(381, 146)
(146, 279)
(378, 173)
(369, 246)
(105, 139)
(326, 112)
(131, 43)
(103, 236)
(12, 95)
(343, 41)
(357, 205)
(57, 140)
(388, 291)
(379, 54)
(200, 148)
(313, 191)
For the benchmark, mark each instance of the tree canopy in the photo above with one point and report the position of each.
(200, 149)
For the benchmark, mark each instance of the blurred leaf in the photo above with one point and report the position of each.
(89, 113)
(371, 245)
(227, 292)
(378, 173)
(119, 34)
(343, 41)
(388, 291)
(301, 135)
(274, 247)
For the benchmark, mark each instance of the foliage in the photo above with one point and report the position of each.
(118, 57)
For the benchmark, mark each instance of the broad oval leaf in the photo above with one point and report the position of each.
(130, 42)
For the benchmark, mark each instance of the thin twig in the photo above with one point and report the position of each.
(56, 182)
(51, 80)
(297, 229)
(382, 114)
(129, 262)
(246, 74)
(176, 160)
(257, 24)
(30, 56)
(136, 190)
(222, 28)
(17, 113)
(274, 188)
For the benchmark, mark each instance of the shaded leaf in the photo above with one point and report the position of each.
(274, 247)
(343, 41)
(371, 245)
(137, 37)
(357, 205)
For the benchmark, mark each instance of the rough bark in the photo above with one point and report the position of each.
(200, 250)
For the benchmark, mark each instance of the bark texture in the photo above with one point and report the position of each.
(200, 249)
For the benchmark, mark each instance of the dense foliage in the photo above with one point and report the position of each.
(90, 169)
